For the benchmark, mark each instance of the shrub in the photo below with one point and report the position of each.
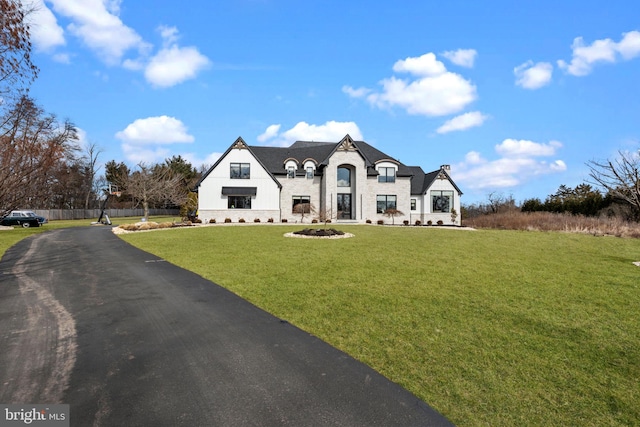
(380, 222)
(549, 221)
(429, 222)
(197, 221)
(256, 220)
(227, 220)
(314, 221)
(212, 221)
(283, 220)
(418, 222)
(241, 220)
(368, 221)
(270, 220)
(405, 222)
(440, 222)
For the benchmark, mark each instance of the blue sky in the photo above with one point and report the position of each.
(515, 96)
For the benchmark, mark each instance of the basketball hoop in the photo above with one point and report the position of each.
(113, 190)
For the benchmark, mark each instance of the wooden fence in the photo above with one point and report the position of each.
(56, 214)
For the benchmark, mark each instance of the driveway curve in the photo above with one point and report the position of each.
(127, 339)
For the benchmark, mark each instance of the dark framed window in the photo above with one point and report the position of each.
(301, 204)
(344, 177)
(291, 172)
(413, 204)
(239, 202)
(385, 201)
(441, 201)
(310, 172)
(240, 171)
(386, 175)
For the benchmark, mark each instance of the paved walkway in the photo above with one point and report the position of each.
(130, 340)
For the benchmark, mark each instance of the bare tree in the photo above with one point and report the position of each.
(91, 153)
(392, 213)
(16, 69)
(620, 177)
(302, 209)
(155, 185)
(33, 145)
(326, 215)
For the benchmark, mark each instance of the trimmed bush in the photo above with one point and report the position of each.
(256, 220)
(405, 222)
(270, 220)
(380, 222)
(429, 222)
(440, 222)
(212, 221)
(241, 220)
(227, 220)
(283, 220)
(418, 222)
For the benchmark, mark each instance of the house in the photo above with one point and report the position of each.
(347, 181)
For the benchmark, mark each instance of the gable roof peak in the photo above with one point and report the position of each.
(239, 144)
(346, 144)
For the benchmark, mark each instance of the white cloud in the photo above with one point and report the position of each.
(46, 34)
(356, 93)
(97, 24)
(331, 131)
(155, 130)
(425, 65)
(629, 46)
(520, 161)
(173, 64)
(522, 148)
(62, 58)
(461, 57)
(136, 154)
(82, 141)
(271, 132)
(435, 91)
(533, 76)
(600, 51)
(199, 162)
(463, 122)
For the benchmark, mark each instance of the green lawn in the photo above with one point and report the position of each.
(492, 328)
(496, 328)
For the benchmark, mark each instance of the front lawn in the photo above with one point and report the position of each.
(499, 328)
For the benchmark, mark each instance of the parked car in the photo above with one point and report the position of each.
(24, 219)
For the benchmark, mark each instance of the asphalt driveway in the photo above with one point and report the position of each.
(128, 339)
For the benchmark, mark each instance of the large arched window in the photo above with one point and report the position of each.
(344, 177)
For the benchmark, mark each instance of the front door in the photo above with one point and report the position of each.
(344, 206)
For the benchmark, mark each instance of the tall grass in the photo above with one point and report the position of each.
(548, 221)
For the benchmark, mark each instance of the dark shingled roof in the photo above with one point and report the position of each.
(273, 158)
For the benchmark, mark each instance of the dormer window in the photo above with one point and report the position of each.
(291, 172)
(386, 175)
(310, 172)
